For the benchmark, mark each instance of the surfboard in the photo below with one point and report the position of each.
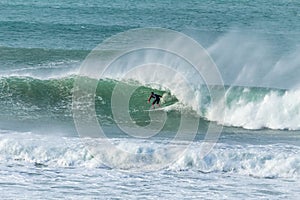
(156, 109)
(162, 108)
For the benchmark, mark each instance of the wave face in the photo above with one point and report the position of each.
(27, 98)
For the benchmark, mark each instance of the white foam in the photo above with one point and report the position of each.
(271, 161)
(45, 150)
(274, 111)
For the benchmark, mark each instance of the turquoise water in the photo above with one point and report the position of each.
(255, 45)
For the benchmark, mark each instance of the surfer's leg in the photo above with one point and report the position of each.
(155, 101)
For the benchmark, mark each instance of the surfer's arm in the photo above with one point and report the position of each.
(150, 98)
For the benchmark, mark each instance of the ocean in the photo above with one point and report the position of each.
(75, 77)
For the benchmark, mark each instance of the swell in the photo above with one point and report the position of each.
(57, 34)
(11, 57)
(39, 63)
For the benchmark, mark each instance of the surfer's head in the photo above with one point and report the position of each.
(152, 92)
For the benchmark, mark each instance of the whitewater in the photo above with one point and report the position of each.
(248, 119)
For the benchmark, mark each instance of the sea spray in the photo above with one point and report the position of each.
(252, 59)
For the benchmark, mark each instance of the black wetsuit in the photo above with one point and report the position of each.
(156, 97)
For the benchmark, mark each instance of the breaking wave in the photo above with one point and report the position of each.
(246, 107)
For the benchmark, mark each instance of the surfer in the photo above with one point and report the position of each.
(156, 99)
